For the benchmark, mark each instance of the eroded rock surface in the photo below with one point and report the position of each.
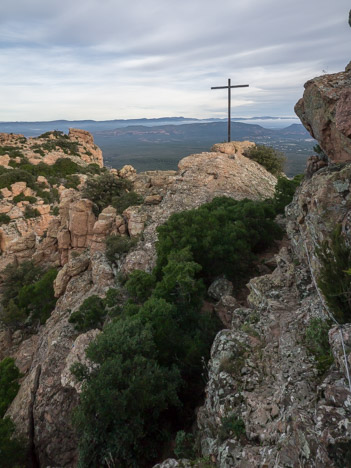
(325, 111)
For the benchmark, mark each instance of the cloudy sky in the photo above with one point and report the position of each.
(112, 59)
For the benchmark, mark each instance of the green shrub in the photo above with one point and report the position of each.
(232, 427)
(9, 375)
(4, 218)
(56, 211)
(30, 212)
(12, 151)
(140, 285)
(37, 299)
(270, 158)
(22, 197)
(169, 338)
(12, 448)
(105, 189)
(317, 343)
(334, 281)
(125, 200)
(16, 175)
(28, 294)
(284, 192)
(116, 246)
(184, 445)
(91, 314)
(125, 399)
(72, 181)
(223, 236)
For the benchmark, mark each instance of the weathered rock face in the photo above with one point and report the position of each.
(75, 241)
(325, 111)
(261, 372)
(200, 178)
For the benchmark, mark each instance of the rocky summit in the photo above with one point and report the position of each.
(267, 403)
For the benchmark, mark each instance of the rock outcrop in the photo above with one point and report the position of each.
(74, 241)
(325, 111)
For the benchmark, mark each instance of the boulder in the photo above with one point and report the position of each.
(325, 112)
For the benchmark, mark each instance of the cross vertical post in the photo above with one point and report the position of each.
(229, 87)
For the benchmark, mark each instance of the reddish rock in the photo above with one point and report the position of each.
(325, 111)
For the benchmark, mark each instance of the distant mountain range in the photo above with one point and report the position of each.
(150, 144)
(36, 128)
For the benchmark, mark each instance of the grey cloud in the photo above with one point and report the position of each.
(82, 51)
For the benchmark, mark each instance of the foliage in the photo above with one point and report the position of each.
(117, 245)
(160, 343)
(37, 300)
(284, 192)
(30, 212)
(334, 281)
(12, 151)
(9, 375)
(12, 176)
(125, 200)
(232, 426)
(105, 190)
(12, 448)
(184, 445)
(28, 294)
(91, 314)
(126, 399)
(21, 197)
(270, 158)
(317, 342)
(140, 285)
(4, 218)
(223, 236)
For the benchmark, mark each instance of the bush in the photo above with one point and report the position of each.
(30, 212)
(159, 343)
(284, 192)
(317, 343)
(16, 175)
(125, 398)
(91, 314)
(116, 246)
(37, 300)
(12, 448)
(184, 445)
(232, 426)
(105, 189)
(125, 200)
(334, 281)
(223, 236)
(9, 375)
(270, 158)
(28, 294)
(140, 285)
(4, 218)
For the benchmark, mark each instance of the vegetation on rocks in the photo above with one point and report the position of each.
(160, 342)
(317, 342)
(116, 246)
(12, 449)
(270, 158)
(28, 294)
(107, 189)
(223, 236)
(334, 280)
(4, 218)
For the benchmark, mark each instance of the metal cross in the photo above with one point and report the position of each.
(229, 99)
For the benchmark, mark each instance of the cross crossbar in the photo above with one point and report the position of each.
(229, 99)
